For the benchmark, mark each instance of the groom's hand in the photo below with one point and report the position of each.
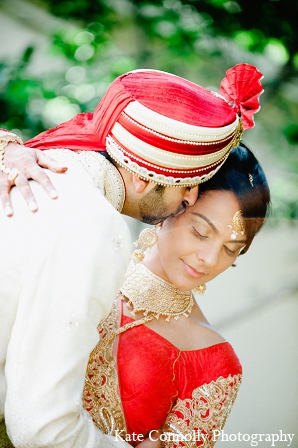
(30, 163)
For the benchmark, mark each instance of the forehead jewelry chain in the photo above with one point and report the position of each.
(237, 225)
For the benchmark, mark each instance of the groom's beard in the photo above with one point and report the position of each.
(153, 210)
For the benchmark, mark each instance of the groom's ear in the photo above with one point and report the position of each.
(140, 185)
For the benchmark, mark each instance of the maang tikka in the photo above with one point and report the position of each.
(237, 225)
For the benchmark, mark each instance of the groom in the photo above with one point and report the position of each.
(62, 267)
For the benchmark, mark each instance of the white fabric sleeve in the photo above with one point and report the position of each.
(73, 261)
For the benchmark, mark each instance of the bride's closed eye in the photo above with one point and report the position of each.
(197, 234)
(234, 253)
(231, 253)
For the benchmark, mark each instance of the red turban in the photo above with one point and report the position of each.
(163, 127)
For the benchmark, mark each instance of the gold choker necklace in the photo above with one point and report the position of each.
(154, 296)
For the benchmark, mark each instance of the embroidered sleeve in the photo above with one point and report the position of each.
(197, 421)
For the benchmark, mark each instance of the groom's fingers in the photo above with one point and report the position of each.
(4, 194)
(35, 172)
(48, 162)
(23, 185)
(30, 164)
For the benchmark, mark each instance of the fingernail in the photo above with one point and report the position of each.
(61, 169)
(32, 206)
(53, 194)
(8, 211)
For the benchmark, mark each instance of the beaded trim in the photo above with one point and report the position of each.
(117, 154)
(176, 128)
(201, 142)
(123, 158)
(161, 157)
(169, 170)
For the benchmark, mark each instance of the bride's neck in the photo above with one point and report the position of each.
(153, 263)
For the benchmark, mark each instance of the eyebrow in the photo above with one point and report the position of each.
(215, 229)
(207, 221)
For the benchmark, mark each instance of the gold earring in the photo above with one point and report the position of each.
(147, 239)
(200, 289)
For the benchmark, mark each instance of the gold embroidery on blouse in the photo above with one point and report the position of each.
(100, 395)
(205, 412)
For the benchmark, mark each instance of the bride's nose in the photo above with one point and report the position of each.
(209, 256)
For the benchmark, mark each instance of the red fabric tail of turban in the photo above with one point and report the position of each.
(84, 131)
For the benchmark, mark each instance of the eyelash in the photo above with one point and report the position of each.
(231, 253)
(198, 235)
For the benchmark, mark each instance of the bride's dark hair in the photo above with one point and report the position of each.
(243, 175)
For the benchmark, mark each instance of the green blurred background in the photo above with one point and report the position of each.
(78, 47)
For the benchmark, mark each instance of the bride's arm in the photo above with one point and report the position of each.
(198, 420)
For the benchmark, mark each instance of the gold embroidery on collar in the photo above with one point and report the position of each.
(105, 175)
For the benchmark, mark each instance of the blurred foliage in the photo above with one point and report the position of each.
(96, 41)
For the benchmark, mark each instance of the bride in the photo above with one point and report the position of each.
(159, 363)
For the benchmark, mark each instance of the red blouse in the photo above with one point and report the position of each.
(153, 374)
(140, 382)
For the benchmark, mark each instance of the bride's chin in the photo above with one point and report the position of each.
(183, 286)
